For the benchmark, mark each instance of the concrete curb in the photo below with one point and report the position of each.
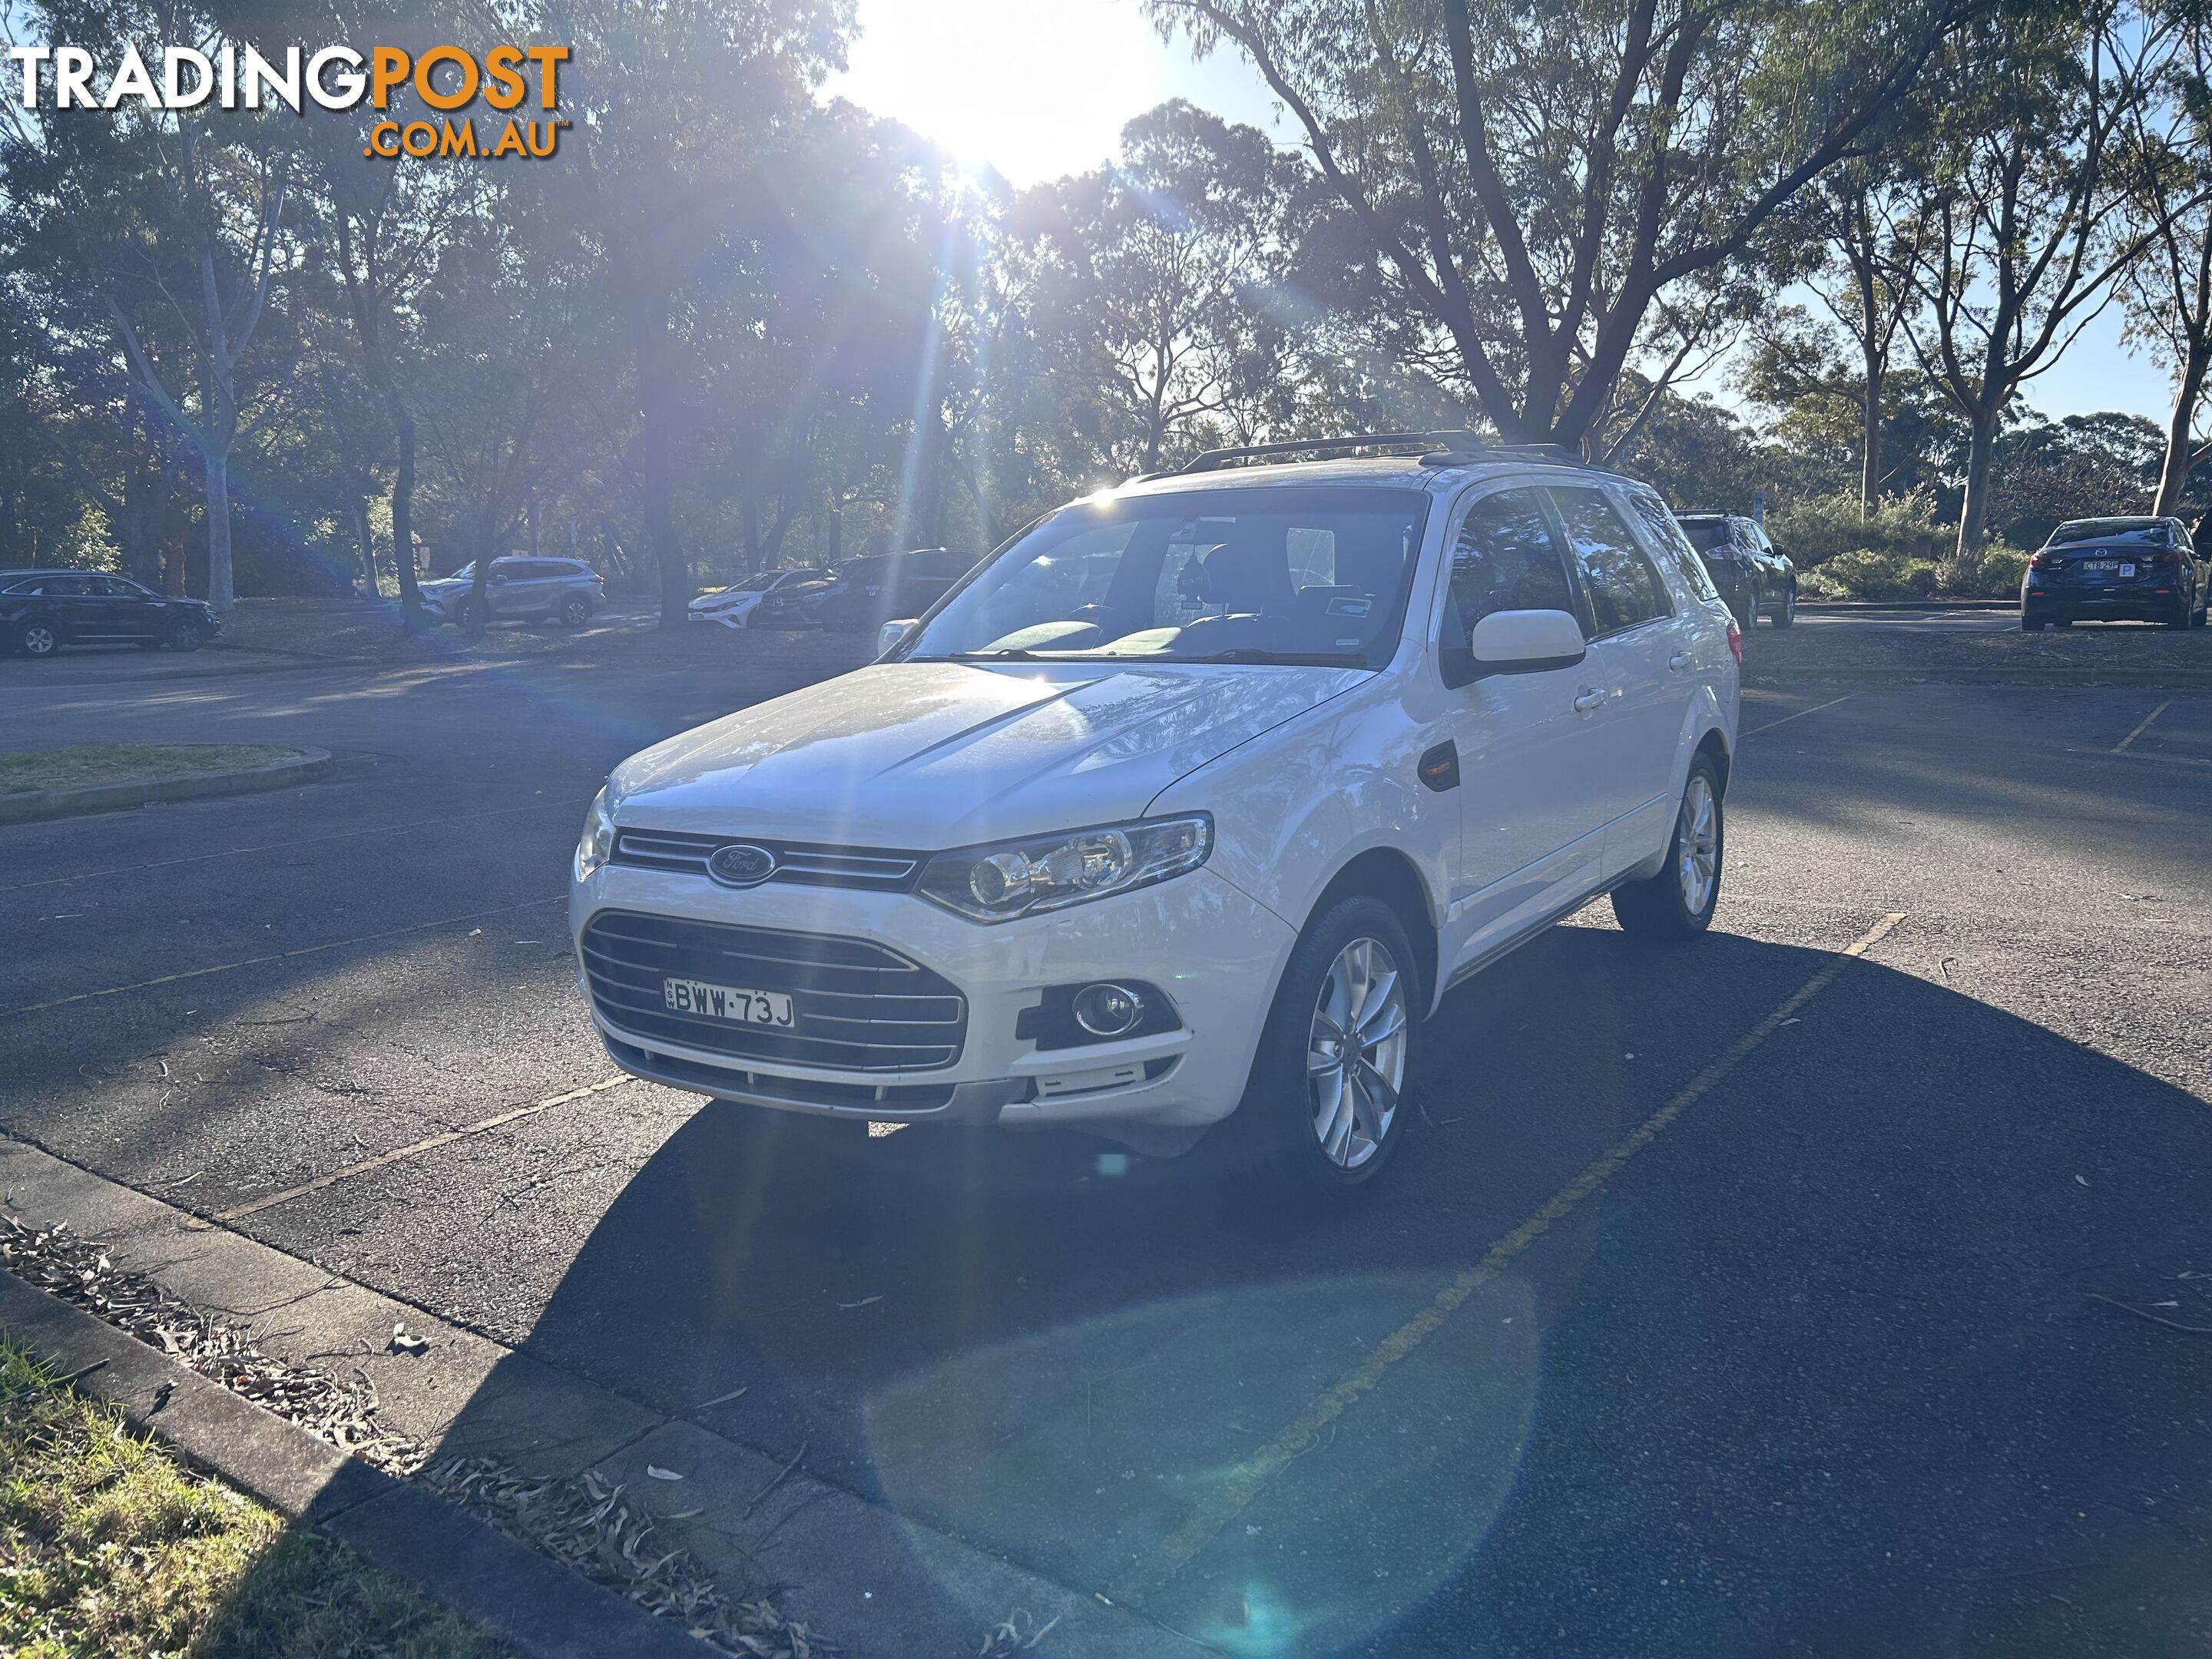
(2176, 679)
(1908, 604)
(38, 805)
(873, 1580)
(527, 1599)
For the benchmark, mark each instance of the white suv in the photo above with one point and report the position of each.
(519, 586)
(1186, 806)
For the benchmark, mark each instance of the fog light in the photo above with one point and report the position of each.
(1108, 1011)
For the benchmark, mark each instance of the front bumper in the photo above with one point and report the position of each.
(1216, 953)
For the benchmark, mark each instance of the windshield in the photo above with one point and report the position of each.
(2140, 532)
(1312, 573)
(466, 572)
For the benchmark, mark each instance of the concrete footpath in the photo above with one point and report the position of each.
(855, 1573)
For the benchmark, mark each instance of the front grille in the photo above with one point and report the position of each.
(801, 862)
(855, 1005)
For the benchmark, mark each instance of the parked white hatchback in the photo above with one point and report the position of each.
(1185, 807)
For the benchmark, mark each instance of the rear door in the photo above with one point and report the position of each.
(1631, 683)
(70, 601)
(1534, 797)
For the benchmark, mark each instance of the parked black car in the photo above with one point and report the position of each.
(864, 593)
(1750, 574)
(42, 610)
(2129, 569)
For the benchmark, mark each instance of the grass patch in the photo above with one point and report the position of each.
(70, 768)
(110, 1547)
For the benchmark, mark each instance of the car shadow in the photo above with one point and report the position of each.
(1825, 1369)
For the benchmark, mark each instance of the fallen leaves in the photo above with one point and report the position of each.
(80, 1271)
(595, 1527)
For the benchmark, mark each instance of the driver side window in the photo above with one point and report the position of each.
(1504, 558)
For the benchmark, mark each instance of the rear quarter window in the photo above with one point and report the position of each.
(1668, 544)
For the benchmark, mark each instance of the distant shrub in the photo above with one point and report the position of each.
(1864, 573)
(1816, 529)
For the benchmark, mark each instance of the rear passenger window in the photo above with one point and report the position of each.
(1667, 540)
(1624, 589)
(1506, 558)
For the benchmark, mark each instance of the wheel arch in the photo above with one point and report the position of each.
(1385, 873)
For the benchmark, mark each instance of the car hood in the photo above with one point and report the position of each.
(927, 755)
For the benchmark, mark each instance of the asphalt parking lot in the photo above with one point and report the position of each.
(1737, 1297)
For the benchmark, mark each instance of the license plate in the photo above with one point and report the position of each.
(2108, 568)
(734, 1003)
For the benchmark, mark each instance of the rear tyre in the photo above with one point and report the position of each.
(575, 611)
(37, 639)
(1678, 902)
(2062, 621)
(471, 617)
(1746, 607)
(2031, 624)
(1323, 1113)
(2181, 616)
(1785, 613)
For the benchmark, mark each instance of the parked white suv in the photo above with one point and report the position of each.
(1186, 806)
(519, 586)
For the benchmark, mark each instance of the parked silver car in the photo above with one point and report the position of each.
(520, 587)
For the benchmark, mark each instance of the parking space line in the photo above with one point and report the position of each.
(280, 846)
(281, 956)
(401, 1153)
(1800, 715)
(2121, 747)
(1204, 1523)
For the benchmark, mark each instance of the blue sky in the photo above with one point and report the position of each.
(1041, 87)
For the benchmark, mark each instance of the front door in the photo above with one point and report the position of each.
(1533, 797)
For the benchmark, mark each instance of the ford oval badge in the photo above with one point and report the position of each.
(741, 865)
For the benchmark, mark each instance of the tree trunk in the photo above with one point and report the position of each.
(402, 508)
(1871, 429)
(657, 438)
(2180, 447)
(1973, 511)
(219, 591)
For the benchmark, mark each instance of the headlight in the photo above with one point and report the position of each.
(597, 844)
(1009, 878)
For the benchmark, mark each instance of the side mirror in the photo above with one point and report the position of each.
(496, 577)
(1515, 642)
(893, 633)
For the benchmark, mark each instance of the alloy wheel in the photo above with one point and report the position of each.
(1356, 1054)
(38, 639)
(1697, 841)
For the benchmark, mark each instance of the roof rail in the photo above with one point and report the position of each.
(1444, 448)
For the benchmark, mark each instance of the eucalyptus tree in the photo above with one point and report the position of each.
(2020, 231)
(1542, 182)
(182, 213)
(682, 111)
(2167, 292)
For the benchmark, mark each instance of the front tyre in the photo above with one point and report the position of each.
(1323, 1111)
(185, 635)
(1678, 902)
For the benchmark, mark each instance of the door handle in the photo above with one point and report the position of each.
(1589, 698)
(1679, 661)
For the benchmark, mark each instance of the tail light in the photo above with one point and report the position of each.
(1735, 642)
(2169, 557)
(2044, 559)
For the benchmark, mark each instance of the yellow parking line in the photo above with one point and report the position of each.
(400, 1153)
(280, 956)
(2121, 747)
(1800, 715)
(1224, 1504)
